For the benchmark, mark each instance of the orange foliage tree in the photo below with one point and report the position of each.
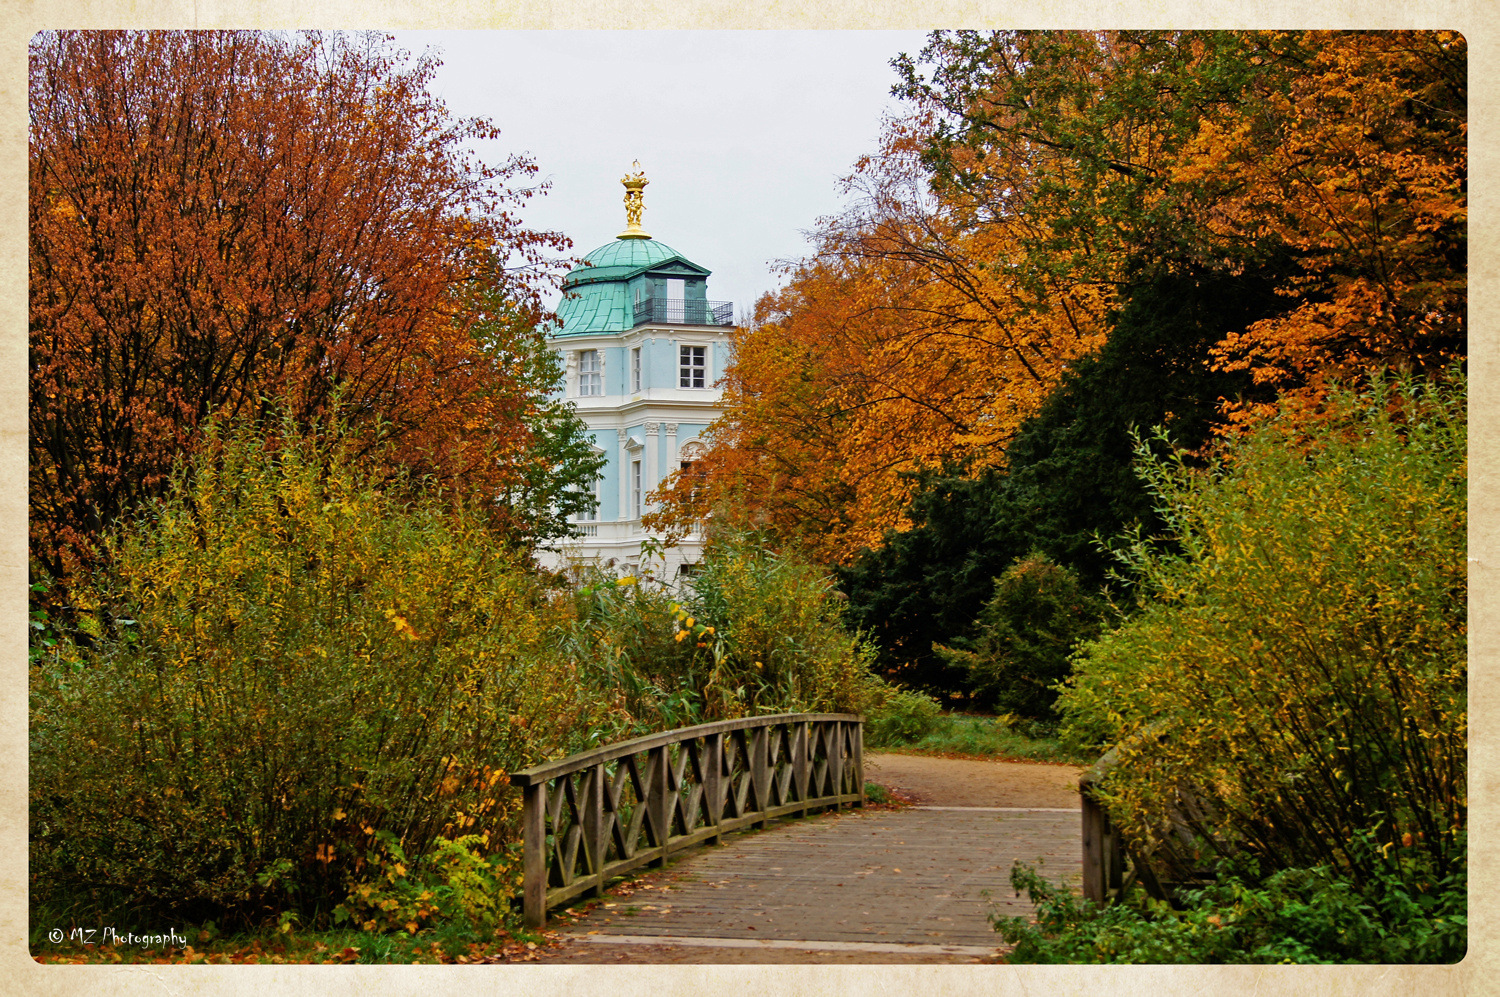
(219, 218)
(899, 345)
(1357, 161)
(1046, 178)
(993, 238)
(1344, 151)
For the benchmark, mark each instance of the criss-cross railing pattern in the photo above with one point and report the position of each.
(597, 815)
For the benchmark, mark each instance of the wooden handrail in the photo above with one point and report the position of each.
(1110, 866)
(586, 815)
(1103, 859)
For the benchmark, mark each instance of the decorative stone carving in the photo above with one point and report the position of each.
(652, 427)
(692, 450)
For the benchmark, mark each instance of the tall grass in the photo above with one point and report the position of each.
(1002, 738)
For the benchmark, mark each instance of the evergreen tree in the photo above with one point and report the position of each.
(1068, 479)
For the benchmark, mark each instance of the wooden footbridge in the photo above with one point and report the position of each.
(916, 884)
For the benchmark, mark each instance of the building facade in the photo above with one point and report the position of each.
(642, 346)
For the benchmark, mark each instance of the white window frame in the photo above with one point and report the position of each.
(635, 488)
(635, 368)
(591, 515)
(687, 370)
(590, 373)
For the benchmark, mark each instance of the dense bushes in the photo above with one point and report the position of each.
(295, 695)
(1405, 914)
(899, 717)
(755, 632)
(780, 640)
(1302, 661)
(284, 662)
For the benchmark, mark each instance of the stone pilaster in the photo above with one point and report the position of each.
(624, 515)
(651, 472)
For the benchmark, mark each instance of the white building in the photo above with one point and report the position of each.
(642, 346)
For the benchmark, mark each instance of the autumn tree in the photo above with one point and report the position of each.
(1268, 209)
(222, 218)
(1075, 234)
(1068, 480)
(538, 441)
(898, 345)
(1224, 149)
(1358, 163)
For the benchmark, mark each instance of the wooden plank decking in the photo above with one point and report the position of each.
(892, 885)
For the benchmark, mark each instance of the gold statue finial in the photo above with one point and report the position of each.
(635, 202)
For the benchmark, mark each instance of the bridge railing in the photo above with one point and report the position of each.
(1103, 856)
(597, 815)
(1172, 862)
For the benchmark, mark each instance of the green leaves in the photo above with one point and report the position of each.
(1301, 915)
(1027, 631)
(1303, 637)
(323, 658)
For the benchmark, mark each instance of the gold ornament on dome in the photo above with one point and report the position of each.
(635, 202)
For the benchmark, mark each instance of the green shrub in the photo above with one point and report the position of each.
(778, 641)
(1302, 662)
(285, 663)
(1026, 632)
(900, 716)
(460, 881)
(755, 632)
(622, 634)
(1405, 913)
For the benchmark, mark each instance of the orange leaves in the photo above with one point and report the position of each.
(1340, 155)
(1358, 164)
(906, 341)
(219, 217)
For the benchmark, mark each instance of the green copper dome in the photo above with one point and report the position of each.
(600, 295)
(621, 260)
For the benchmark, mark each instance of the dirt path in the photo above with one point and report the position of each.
(924, 888)
(959, 782)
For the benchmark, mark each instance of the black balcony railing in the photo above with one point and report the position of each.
(672, 312)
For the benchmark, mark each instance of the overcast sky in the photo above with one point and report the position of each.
(743, 134)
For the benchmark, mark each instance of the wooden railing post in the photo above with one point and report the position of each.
(534, 855)
(660, 804)
(594, 840)
(759, 790)
(799, 765)
(836, 763)
(1101, 846)
(713, 784)
(858, 737)
(1093, 850)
